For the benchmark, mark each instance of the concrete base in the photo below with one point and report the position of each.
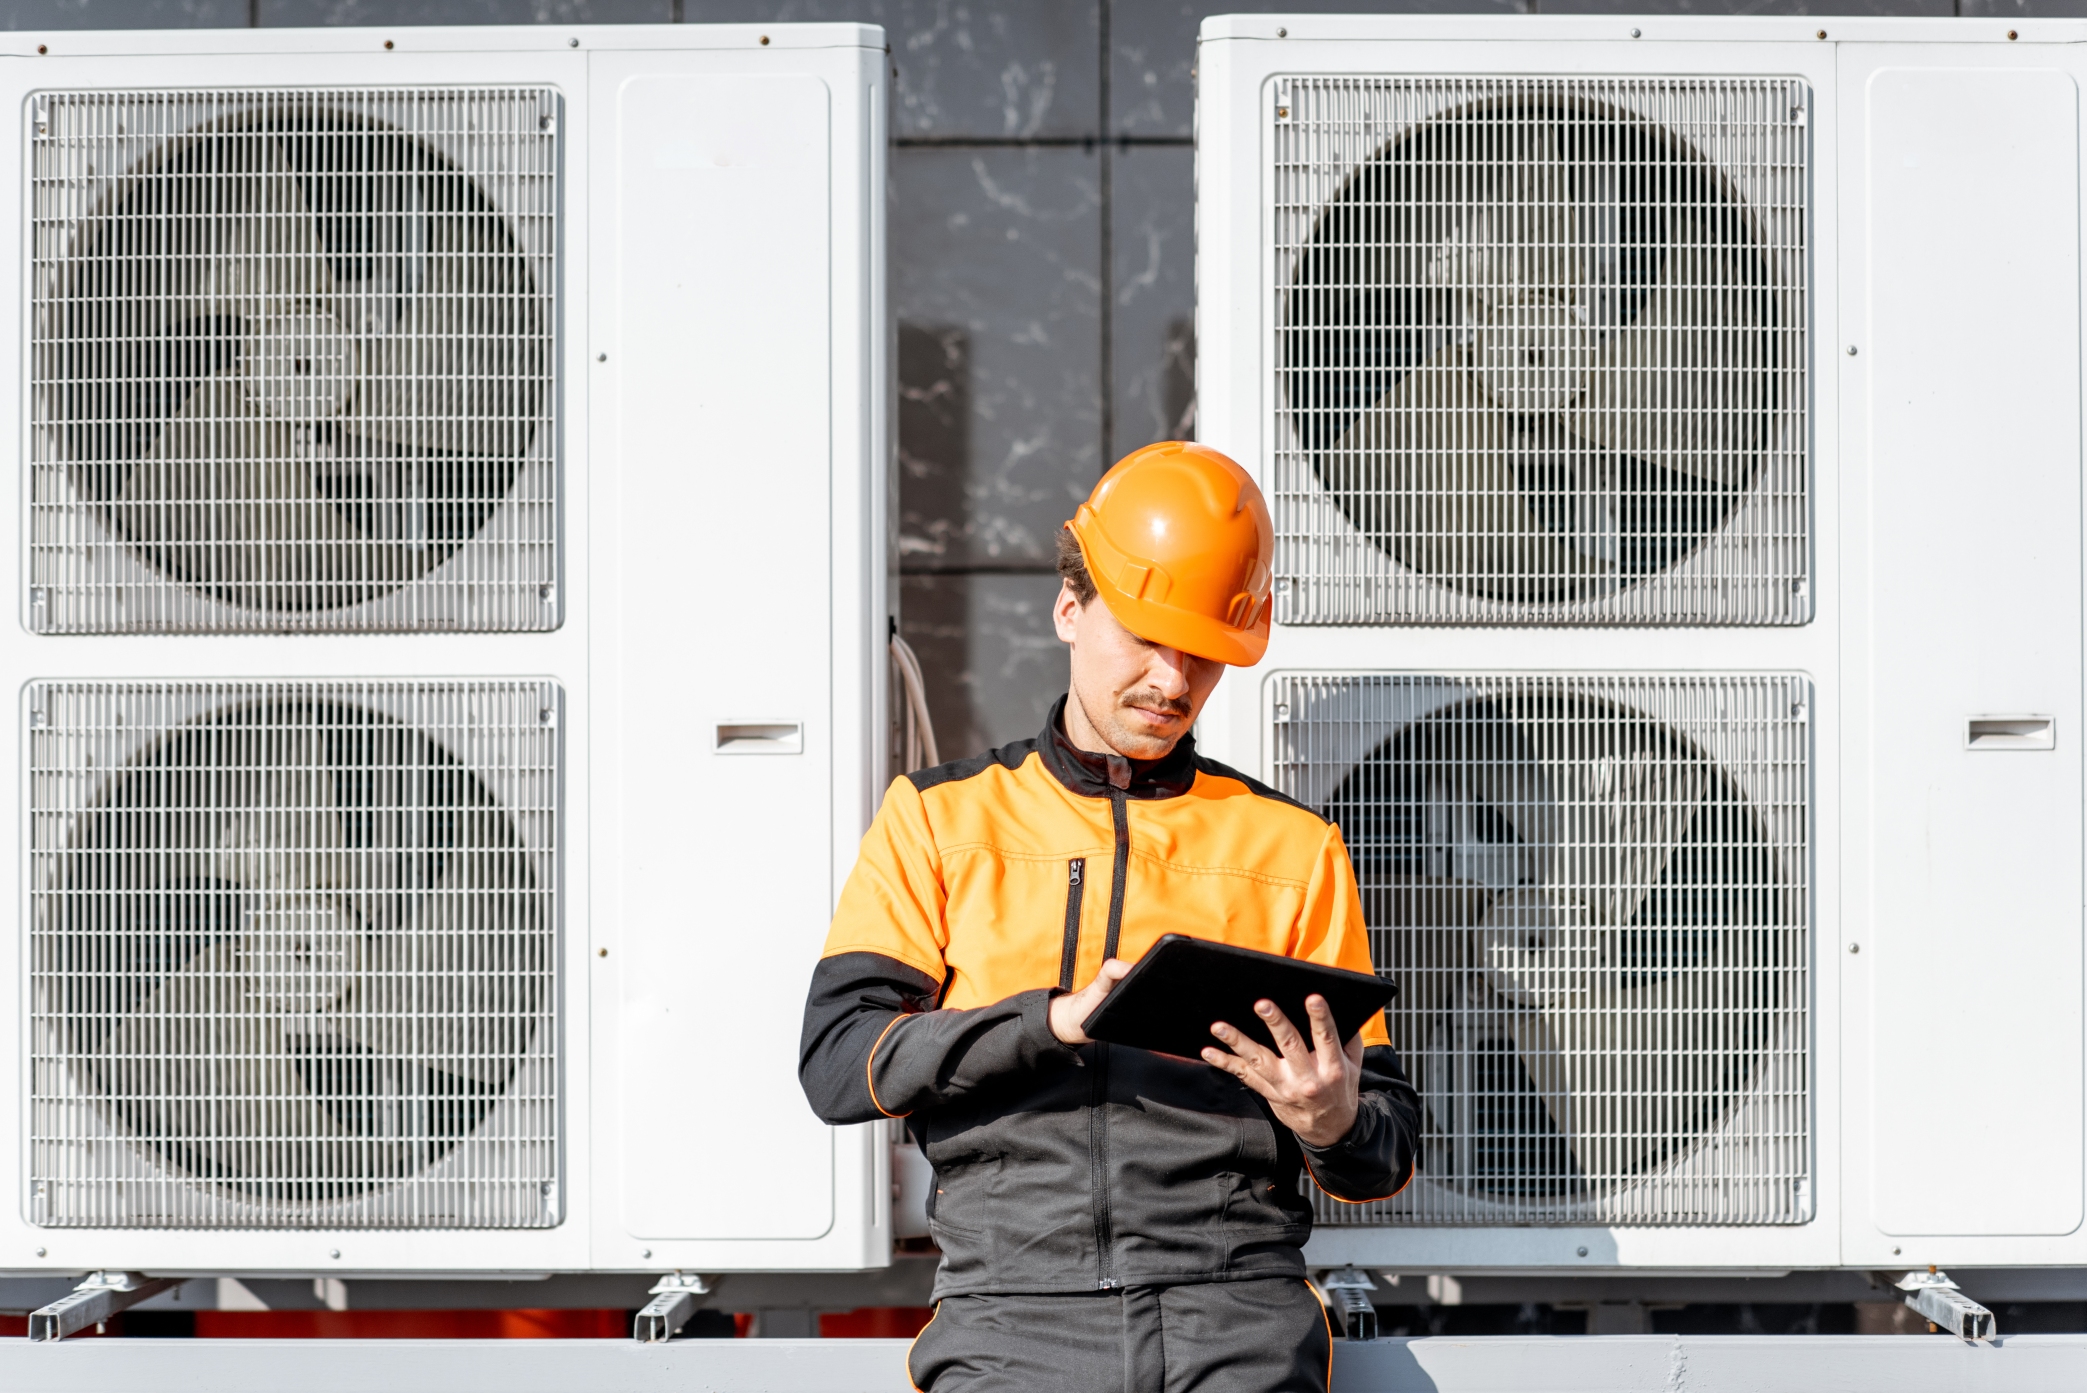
(1586, 1364)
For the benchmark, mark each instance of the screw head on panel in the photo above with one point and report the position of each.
(387, 43)
(41, 1252)
(333, 1252)
(572, 43)
(1581, 1251)
(1634, 33)
(1851, 350)
(1822, 33)
(1855, 947)
(1282, 33)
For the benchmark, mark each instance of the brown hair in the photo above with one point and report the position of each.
(1072, 566)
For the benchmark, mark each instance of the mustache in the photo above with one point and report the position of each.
(1151, 699)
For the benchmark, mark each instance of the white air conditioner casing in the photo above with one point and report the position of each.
(1878, 639)
(515, 854)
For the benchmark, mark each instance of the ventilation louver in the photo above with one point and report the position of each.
(292, 360)
(292, 954)
(1591, 892)
(1540, 350)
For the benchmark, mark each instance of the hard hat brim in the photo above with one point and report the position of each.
(1190, 632)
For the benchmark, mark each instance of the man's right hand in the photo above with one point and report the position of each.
(1070, 1012)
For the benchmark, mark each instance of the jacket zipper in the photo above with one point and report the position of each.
(1098, 1127)
(1075, 891)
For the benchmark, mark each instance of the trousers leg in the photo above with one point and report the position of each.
(1269, 1335)
(1022, 1344)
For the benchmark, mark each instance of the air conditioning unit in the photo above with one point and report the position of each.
(424, 838)
(1672, 429)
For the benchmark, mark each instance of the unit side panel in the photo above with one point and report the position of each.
(1969, 370)
(723, 725)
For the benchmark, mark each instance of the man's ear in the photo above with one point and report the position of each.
(1065, 612)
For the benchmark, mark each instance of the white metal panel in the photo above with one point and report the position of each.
(1971, 358)
(582, 657)
(725, 720)
(1241, 63)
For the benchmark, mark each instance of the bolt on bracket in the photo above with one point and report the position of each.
(1349, 1290)
(100, 1296)
(673, 1302)
(1937, 1298)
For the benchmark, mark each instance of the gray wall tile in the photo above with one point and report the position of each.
(992, 663)
(1153, 300)
(1152, 46)
(1823, 8)
(291, 14)
(996, 282)
(2025, 9)
(983, 69)
(25, 15)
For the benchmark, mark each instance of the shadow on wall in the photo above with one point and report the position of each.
(934, 372)
(983, 637)
(1178, 380)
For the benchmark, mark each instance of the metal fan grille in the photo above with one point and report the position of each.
(1593, 894)
(1539, 350)
(291, 360)
(292, 952)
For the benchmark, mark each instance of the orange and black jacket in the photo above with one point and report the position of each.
(986, 887)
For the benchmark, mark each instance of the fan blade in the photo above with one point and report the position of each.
(201, 1071)
(1687, 384)
(225, 501)
(455, 357)
(458, 984)
(258, 510)
(164, 285)
(1516, 237)
(1430, 471)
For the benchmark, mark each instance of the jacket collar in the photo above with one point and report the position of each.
(1097, 776)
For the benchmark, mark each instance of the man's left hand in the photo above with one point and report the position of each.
(1312, 1091)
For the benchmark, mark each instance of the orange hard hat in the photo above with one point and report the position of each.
(1178, 542)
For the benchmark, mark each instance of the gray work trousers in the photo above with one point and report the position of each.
(1268, 1335)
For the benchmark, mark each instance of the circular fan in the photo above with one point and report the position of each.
(297, 359)
(1578, 907)
(1529, 349)
(299, 951)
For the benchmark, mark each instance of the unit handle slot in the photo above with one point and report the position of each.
(2011, 733)
(760, 738)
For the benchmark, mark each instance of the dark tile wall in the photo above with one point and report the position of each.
(1042, 264)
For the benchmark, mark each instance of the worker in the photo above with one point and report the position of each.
(1109, 1217)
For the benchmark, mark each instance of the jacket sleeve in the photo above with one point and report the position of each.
(1375, 1160)
(873, 1043)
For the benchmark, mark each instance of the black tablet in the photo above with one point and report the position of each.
(1169, 999)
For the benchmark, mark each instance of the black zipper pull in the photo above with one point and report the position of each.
(1075, 892)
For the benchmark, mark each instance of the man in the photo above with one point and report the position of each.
(1111, 1218)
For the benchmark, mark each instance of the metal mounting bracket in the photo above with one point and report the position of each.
(673, 1302)
(93, 1301)
(1350, 1288)
(1936, 1297)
